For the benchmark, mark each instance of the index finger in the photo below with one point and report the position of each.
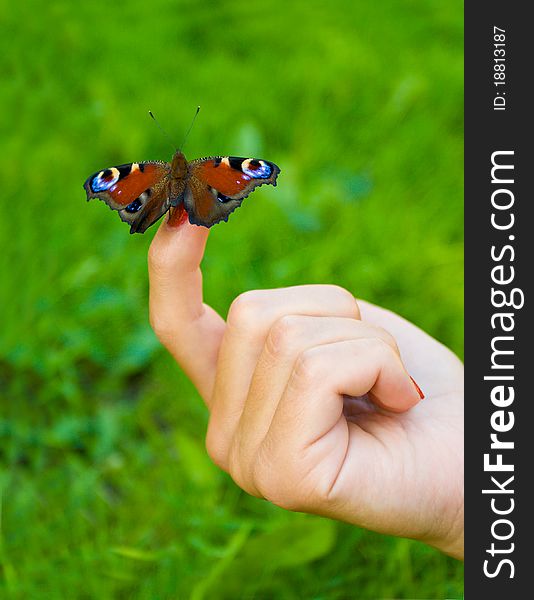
(190, 330)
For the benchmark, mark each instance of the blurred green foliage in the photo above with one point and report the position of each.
(106, 490)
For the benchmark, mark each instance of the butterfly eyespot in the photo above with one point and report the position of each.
(257, 169)
(134, 206)
(105, 179)
(138, 203)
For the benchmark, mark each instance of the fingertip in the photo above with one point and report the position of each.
(178, 245)
(400, 405)
(398, 396)
(418, 389)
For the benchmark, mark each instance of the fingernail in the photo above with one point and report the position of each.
(419, 390)
(176, 217)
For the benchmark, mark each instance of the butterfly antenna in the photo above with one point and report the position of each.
(161, 129)
(190, 127)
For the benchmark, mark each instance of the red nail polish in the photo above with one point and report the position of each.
(419, 390)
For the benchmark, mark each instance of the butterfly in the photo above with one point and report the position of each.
(208, 189)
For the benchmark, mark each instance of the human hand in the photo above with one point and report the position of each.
(311, 400)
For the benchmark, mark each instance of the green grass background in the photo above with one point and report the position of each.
(106, 489)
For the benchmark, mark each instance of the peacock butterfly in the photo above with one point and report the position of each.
(208, 189)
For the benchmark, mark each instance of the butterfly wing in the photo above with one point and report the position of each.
(138, 191)
(216, 186)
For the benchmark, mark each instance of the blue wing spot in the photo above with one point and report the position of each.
(134, 206)
(104, 180)
(257, 169)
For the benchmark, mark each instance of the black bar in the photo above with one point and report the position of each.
(498, 118)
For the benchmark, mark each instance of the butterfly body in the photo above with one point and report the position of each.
(209, 189)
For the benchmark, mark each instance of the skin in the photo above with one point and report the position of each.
(311, 402)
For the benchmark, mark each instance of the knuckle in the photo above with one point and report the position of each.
(158, 259)
(347, 302)
(382, 349)
(309, 368)
(387, 338)
(246, 309)
(284, 334)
